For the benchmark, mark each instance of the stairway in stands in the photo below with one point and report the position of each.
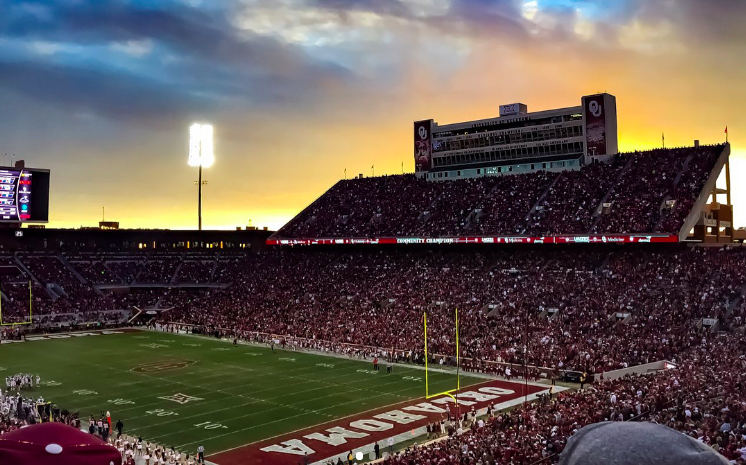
(599, 208)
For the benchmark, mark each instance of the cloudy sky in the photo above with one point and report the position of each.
(102, 92)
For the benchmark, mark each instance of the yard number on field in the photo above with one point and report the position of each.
(120, 402)
(325, 365)
(153, 346)
(84, 392)
(210, 425)
(159, 412)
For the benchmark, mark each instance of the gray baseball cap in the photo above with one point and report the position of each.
(633, 443)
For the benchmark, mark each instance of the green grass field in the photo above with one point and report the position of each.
(244, 393)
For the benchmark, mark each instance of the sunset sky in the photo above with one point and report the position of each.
(102, 92)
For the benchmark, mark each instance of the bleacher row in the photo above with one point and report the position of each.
(67, 286)
(636, 185)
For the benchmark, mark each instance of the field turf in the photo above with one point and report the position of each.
(241, 394)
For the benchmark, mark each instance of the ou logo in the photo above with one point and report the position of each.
(595, 108)
(423, 132)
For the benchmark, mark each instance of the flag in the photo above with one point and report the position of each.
(726, 129)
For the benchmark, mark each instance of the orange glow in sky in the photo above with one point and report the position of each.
(299, 91)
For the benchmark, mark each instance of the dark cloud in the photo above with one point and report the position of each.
(187, 31)
(98, 92)
(711, 21)
(213, 62)
(201, 59)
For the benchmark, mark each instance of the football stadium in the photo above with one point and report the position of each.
(530, 293)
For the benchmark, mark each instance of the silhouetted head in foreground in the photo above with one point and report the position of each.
(644, 443)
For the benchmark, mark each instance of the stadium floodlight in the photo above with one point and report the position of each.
(201, 154)
(201, 145)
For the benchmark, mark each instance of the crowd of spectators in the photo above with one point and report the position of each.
(570, 203)
(654, 177)
(48, 269)
(585, 308)
(636, 185)
(96, 271)
(703, 397)
(158, 269)
(196, 271)
(588, 309)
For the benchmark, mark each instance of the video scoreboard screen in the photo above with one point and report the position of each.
(24, 195)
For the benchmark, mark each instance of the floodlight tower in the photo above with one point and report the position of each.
(200, 154)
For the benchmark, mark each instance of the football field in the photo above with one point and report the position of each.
(183, 391)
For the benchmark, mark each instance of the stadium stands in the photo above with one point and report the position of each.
(703, 399)
(586, 308)
(621, 301)
(636, 185)
(522, 310)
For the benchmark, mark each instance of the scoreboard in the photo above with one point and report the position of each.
(24, 195)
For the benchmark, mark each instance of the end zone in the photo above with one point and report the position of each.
(359, 432)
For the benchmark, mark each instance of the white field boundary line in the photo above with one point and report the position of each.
(295, 416)
(291, 407)
(169, 381)
(294, 408)
(308, 411)
(305, 412)
(234, 407)
(451, 371)
(324, 354)
(281, 405)
(341, 419)
(349, 362)
(229, 395)
(325, 381)
(277, 397)
(255, 392)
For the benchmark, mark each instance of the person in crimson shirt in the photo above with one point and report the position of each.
(375, 363)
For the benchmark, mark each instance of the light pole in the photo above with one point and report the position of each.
(201, 154)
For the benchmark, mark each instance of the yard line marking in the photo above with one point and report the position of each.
(288, 418)
(305, 411)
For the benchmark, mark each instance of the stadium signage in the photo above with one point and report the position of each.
(512, 109)
(599, 239)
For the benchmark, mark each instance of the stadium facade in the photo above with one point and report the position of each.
(518, 141)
